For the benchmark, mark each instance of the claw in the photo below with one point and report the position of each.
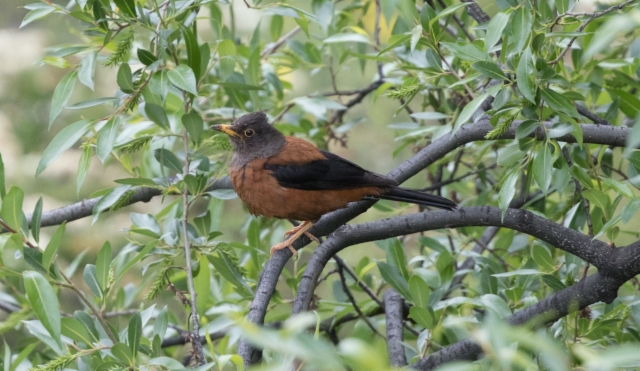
(292, 236)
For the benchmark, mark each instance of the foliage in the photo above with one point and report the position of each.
(538, 72)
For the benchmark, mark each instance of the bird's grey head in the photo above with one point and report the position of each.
(252, 137)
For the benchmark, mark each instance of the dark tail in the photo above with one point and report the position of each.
(417, 197)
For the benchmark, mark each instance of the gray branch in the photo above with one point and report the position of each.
(610, 135)
(394, 306)
(591, 290)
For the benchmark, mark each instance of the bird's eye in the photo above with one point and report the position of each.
(248, 132)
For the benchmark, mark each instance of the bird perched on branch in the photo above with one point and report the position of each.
(289, 178)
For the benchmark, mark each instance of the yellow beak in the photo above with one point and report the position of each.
(225, 129)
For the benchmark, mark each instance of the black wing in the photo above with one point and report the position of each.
(332, 173)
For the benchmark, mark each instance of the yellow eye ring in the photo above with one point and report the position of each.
(249, 132)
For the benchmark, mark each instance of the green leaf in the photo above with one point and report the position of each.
(91, 280)
(35, 220)
(161, 323)
(347, 37)
(427, 14)
(449, 10)
(36, 14)
(392, 45)
(489, 69)
(83, 166)
(419, 290)
(468, 52)
(193, 50)
(122, 352)
(562, 6)
(107, 138)
(157, 114)
(167, 159)
(74, 329)
(542, 167)
(125, 79)
(394, 278)
(91, 103)
(52, 247)
(44, 303)
(578, 173)
(146, 57)
(238, 85)
(230, 272)
(103, 266)
(130, 263)
(494, 30)
(194, 125)
(12, 208)
(508, 189)
(468, 111)
(629, 210)
(395, 257)
(108, 200)
(61, 95)
(421, 316)
(524, 73)
(629, 103)
(134, 333)
(542, 256)
(521, 24)
(183, 78)
(553, 282)
(128, 7)
(3, 189)
(61, 142)
(87, 69)
(558, 102)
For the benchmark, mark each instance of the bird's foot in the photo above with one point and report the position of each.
(306, 233)
(292, 236)
(284, 245)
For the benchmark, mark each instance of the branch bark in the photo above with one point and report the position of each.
(610, 135)
(394, 306)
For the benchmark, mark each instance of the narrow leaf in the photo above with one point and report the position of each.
(468, 111)
(495, 29)
(134, 333)
(61, 95)
(103, 265)
(183, 77)
(87, 69)
(107, 137)
(167, 159)
(521, 23)
(12, 208)
(125, 79)
(394, 278)
(193, 50)
(91, 280)
(61, 142)
(489, 69)
(524, 73)
(52, 247)
(83, 166)
(35, 220)
(44, 303)
(194, 124)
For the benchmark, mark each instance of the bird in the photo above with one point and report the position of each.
(285, 177)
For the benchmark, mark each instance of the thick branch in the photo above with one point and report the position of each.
(591, 290)
(611, 135)
(596, 252)
(394, 314)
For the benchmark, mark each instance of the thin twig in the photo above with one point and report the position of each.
(195, 334)
(347, 291)
(271, 48)
(585, 24)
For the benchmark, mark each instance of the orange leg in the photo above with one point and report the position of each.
(295, 233)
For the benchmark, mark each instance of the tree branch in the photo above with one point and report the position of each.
(394, 306)
(591, 290)
(611, 135)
